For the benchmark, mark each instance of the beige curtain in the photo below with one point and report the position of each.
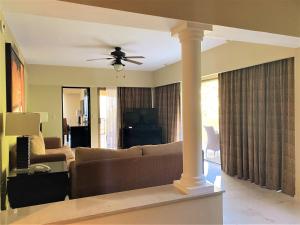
(257, 124)
(131, 98)
(167, 102)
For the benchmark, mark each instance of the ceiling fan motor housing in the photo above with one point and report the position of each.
(118, 54)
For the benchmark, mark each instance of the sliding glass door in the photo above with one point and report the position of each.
(210, 120)
(108, 135)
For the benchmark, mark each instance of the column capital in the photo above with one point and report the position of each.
(190, 30)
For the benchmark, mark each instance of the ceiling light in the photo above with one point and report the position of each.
(118, 67)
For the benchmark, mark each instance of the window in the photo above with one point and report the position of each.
(210, 118)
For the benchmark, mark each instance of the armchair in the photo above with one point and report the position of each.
(213, 140)
(54, 152)
(52, 144)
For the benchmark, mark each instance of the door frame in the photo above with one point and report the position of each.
(98, 116)
(89, 108)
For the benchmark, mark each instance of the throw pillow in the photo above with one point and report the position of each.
(37, 145)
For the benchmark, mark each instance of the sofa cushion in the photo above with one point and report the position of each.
(37, 145)
(63, 150)
(174, 147)
(91, 154)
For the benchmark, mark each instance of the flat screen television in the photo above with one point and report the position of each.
(141, 118)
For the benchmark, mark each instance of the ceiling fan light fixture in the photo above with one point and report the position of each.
(118, 67)
(118, 56)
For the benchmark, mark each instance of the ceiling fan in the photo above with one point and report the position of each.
(118, 56)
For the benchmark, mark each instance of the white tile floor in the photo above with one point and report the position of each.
(213, 156)
(247, 203)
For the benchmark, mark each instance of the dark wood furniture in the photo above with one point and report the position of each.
(80, 136)
(66, 128)
(38, 188)
(141, 136)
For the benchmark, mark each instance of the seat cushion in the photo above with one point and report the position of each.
(64, 150)
(174, 147)
(37, 145)
(92, 154)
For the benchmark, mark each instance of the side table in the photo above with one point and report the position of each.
(38, 188)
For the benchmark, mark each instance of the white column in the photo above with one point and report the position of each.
(192, 179)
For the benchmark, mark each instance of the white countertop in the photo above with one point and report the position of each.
(101, 205)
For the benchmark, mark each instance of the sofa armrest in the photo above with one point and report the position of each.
(52, 142)
(73, 179)
(48, 158)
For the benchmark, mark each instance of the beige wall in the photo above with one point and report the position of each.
(230, 56)
(87, 77)
(45, 84)
(47, 98)
(274, 16)
(6, 142)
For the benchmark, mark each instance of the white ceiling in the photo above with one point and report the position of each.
(60, 33)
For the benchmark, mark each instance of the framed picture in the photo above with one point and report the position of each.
(15, 83)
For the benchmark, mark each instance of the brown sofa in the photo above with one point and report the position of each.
(54, 152)
(95, 173)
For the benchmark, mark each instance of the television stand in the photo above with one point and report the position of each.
(141, 136)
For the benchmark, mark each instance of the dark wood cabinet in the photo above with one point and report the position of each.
(38, 188)
(141, 136)
(80, 136)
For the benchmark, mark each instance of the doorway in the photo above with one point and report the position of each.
(108, 127)
(76, 117)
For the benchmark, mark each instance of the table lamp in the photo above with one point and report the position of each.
(22, 125)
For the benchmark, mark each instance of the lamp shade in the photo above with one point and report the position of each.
(43, 117)
(118, 67)
(24, 124)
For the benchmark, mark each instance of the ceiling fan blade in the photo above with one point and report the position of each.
(88, 60)
(132, 61)
(135, 57)
(104, 44)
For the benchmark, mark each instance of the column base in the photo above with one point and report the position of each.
(203, 188)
